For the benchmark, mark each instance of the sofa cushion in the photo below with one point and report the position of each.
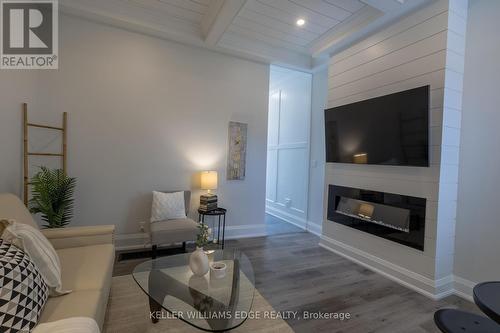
(69, 325)
(87, 267)
(86, 303)
(173, 231)
(87, 271)
(11, 207)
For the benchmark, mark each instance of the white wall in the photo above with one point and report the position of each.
(425, 48)
(478, 221)
(317, 155)
(144, 114)
(15, 87)
(288, 145)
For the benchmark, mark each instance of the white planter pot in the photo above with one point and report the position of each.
(198, 262)
(218, 270)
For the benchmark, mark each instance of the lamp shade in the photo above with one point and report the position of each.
(209, 180)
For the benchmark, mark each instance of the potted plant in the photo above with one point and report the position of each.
(52, 197)
(198, 261)
(203, 235)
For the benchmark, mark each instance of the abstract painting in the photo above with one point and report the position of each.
(236, 158)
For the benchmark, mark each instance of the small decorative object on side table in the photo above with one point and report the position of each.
(221, 213)
(208, 201)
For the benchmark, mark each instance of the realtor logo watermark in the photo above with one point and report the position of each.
(29, 34)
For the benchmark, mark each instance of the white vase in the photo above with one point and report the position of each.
(198, 262)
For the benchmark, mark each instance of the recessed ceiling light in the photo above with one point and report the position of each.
(300, 22)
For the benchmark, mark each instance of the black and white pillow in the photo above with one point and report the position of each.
(23, 292)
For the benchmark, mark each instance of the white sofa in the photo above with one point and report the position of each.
(87, 256)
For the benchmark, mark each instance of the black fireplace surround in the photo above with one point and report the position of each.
(395, 217)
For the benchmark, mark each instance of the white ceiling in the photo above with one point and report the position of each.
(263, 30)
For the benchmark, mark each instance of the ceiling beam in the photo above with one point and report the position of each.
(355, 23)
(210, 16)
(368, 22)
(385, 5)
(219, 16)
(267, 52)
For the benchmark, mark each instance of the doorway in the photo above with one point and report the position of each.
(288, 147)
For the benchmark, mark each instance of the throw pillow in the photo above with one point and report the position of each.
(69, 325)
(41, 252)
(23, 291)
(168, 206)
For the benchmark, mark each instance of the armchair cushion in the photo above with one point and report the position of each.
(80, 236)
(173, 231)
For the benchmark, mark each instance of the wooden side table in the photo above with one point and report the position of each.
(221, 214)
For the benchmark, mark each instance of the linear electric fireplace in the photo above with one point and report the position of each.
(395, 217)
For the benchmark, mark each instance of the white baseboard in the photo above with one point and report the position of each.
(463, 288)
(314, 228)
(287, 217)
(309, 226)
(435, 289)
(245, 231)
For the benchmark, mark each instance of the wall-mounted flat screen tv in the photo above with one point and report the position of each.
(386, 130)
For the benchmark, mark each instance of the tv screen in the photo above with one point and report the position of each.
(387, 130)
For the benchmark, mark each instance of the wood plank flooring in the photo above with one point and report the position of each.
(276, 226)
(294, 274)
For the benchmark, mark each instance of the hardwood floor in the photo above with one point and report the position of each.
(276, 226)
(294, 274)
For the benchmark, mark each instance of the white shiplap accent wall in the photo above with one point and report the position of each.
(450, 146)
(426, 48)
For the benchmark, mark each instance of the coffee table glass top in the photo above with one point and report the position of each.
(207, 303)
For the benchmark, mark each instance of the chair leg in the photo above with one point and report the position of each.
(184, 247)
(154, 251)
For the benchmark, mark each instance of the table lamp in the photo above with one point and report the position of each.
(208, 201)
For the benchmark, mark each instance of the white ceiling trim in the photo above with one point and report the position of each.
(259, 30)
(356, 22)
(366, 30)
(125, 14)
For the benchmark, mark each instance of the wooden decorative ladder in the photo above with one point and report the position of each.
(27, 154)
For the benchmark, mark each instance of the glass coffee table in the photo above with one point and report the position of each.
(206, 303)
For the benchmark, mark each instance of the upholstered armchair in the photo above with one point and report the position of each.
(168, 232)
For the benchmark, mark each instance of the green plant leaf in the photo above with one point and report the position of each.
(53, 197)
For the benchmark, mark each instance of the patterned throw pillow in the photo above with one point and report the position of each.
(168, 206)
(23, 292)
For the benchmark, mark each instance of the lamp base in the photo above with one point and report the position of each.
(208, 202)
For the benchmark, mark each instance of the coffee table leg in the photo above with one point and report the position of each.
(218, 233)
(155, 309)
(224, 230)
